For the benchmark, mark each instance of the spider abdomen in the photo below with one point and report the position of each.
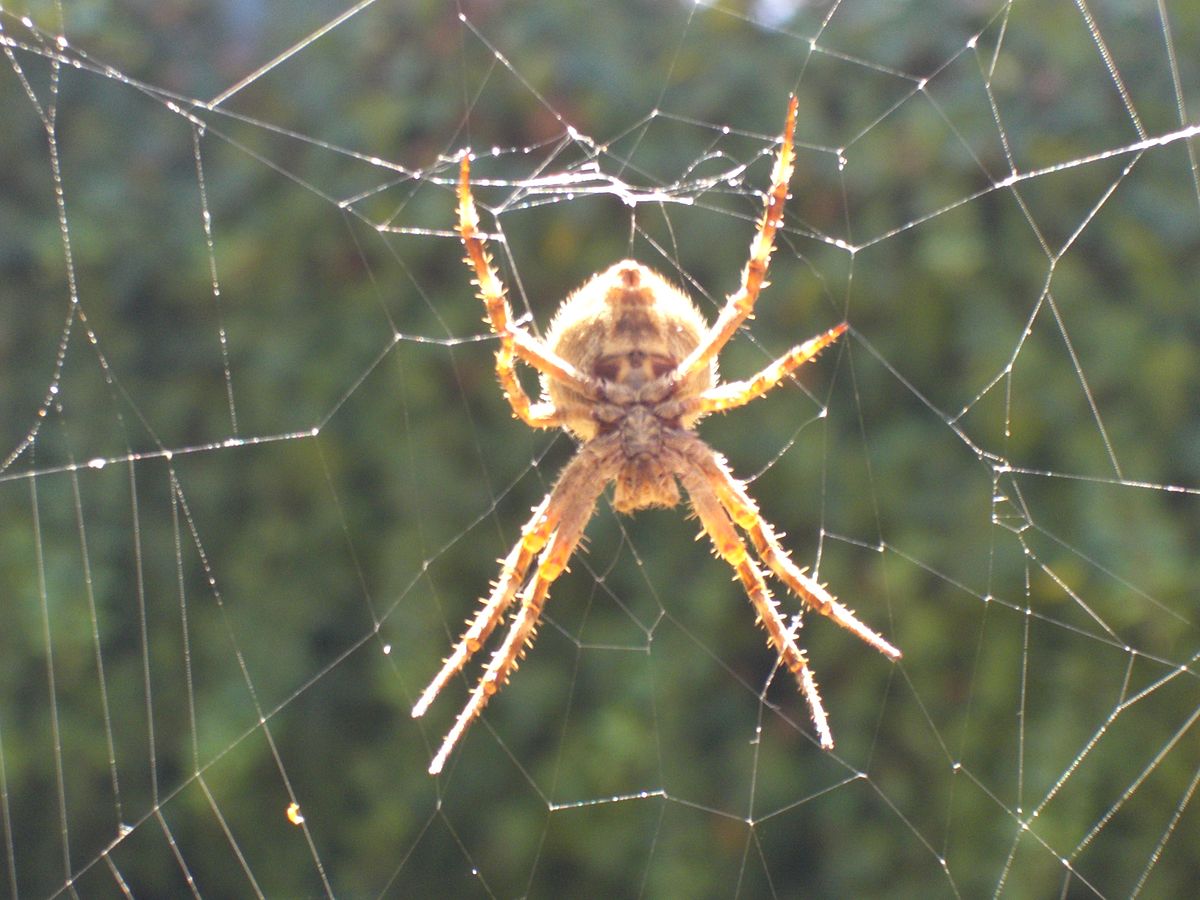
(624, 326)
(633, 368)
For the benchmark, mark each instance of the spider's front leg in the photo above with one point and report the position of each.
(514, 340)
(534, 536)
(744, 512)
(730, 547)
(557, 526)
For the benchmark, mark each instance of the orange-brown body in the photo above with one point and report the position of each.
(629, 328)
(628, 367)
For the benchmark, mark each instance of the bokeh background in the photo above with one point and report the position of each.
(239, 528)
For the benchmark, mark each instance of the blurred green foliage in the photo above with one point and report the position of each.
(316, 581)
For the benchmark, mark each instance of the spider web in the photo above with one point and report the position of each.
(256, 468)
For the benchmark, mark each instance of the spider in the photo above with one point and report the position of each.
(628, 367)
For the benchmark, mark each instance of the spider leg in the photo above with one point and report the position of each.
(514, 340)
(534, 536)
(744, 512)
(741, 303)
(738, 393)
(570, 505)
(730, 547)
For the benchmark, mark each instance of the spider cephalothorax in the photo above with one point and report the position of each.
(629, 366)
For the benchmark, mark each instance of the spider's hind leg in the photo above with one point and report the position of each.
(515, 341)
(740, 304)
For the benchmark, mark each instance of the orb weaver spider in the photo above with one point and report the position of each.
(628, 367)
